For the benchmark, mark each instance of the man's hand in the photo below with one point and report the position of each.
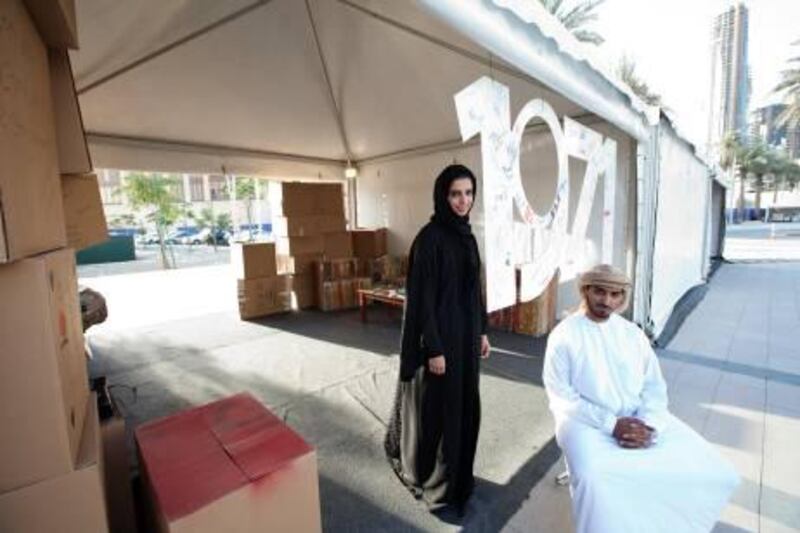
(486, 348)
(633, 433)
(436, 365)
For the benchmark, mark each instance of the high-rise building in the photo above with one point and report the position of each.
(730, 75)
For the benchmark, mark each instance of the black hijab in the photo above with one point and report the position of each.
(444, 215)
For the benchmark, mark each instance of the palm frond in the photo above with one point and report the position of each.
(581, 14)
(588, 36)
(576, 18)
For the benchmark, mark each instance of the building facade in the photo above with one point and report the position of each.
(730, 76)
(765, 126)
(192, 193)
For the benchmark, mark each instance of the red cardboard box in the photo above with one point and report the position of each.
(230, 466)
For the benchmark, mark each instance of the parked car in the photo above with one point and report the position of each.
(151, 237)
(179, 236)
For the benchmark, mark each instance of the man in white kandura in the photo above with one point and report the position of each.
(633, 466)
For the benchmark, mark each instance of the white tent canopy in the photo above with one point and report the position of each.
(194, 85)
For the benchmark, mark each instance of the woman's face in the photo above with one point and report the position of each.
(460, 196)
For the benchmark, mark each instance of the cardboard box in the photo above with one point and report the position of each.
(337, 245)
(230, 465)
(254, 260)
(31, 214)
(303, 226)
(68, 503)
(538, 317)
(369, 243)
(291, 199)
(296, 226)
(304, 291)
(83, 211)
(56, 22)
(341, 294)
(385, 270)
(43, 381)
(335, 269)
(312, 244)
(117, 476)
(264, 296)
(297, 264)
(73, 151)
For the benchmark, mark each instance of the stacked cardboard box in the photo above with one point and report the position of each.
(309, 226)
(338, 283)
(369, 243)
(50, 463)
(230, 465)
(261, 290)
(386, 270)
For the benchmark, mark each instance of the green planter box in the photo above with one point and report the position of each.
(117, 248)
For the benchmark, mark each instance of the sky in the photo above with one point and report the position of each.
(670, 42)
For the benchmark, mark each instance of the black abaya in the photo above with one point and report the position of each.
(433, 434)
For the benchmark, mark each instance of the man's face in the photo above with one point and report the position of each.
(460, 196)
(601, 302)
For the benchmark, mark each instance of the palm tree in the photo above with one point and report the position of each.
(731, 158)
(757, 159)
(575, 18)
(790, 86)
(787, 174)
(626, 70)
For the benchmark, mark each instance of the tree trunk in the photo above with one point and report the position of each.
(740, 204)
(759, 185)
(162, 246)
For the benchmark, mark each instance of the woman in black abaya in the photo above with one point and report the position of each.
(433, 433)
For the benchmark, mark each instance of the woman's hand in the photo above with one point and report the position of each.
(486, 348)
(436, 365)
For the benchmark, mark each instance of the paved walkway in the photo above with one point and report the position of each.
(733, 372)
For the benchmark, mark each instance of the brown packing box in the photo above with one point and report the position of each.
(227, 466)
(330, 199)
(341, 294)
(369, 243)
(384, 270)
(73, 152)
(83, 211)
(297, 264)
(335, 269)
(299, 226)
(72, 502)
(337, 245)
(264, 296)
(312, 244)
(43, 381)
(31, 214)
(117, 476)
(56, 22)
(538, 317)
(290, 199)
(302, 226)
(254, 260)
(332, 223)
(303, 290)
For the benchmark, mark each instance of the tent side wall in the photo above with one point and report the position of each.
(398, 194)
(680, 256)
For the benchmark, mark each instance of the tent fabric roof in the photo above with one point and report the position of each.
(196, 84)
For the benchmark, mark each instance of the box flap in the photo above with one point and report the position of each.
(198, 456)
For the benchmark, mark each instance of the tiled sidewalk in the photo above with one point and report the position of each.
(733, 372)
